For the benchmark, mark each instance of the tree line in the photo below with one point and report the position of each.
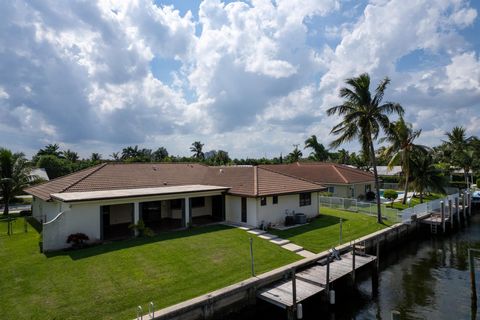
(364, 118)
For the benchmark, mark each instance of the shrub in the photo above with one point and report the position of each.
(370, 195)
(390, 195)
(326, 194)
(141, 229)
(77, 240)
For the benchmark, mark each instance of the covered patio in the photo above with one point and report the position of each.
(160, 208)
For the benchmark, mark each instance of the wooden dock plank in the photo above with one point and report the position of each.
(311, 281)
(281, 294)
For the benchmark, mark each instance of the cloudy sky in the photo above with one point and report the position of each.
(252, 78)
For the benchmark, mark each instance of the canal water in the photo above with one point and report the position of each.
(425, 278)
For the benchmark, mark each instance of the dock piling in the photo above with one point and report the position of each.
(457, 210)
(442, 211)
(327, 277)
(353, 262)
(395, 315)
(294, 290)
(450, 213)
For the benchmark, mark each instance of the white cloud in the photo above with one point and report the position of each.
(250, 80)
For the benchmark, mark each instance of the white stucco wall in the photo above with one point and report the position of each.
(252, 218)
(233, 208)
(79, 218)
(46, 210)
(275, 213)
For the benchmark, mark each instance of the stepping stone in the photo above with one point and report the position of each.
(268, 236)
(257, 232)
(292, 247)
(279, 241)
(305, 253)
(244, 228)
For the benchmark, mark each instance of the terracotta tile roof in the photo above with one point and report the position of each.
(322, 172)
(61, 184)
(241, 180)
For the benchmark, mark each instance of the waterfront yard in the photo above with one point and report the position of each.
(110, 280)
(323, 232)
(416, 200)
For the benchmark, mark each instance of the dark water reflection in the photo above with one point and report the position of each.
(426, 278)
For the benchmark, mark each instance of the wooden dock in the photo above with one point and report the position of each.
(313, 280)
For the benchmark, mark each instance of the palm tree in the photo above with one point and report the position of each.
(197, 148)
(319, 152)
(96, 157)
(50, 150)
(343, 156)
(425, 176)
(295, 155)
(70, 155)
(401, 137)
(363, 118)
(14, 176)
(461, 151)
(115, 156)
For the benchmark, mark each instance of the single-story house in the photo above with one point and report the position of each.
(37, 173)
(102, 201)
(340, 180)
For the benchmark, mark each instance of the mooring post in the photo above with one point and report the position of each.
(457, 210)
(327, 279)
(473, 284)
(378, 254)
(450, 213)
(294, 291)
(395, 315)
(353, 262)
(442, 211)
(251, 257)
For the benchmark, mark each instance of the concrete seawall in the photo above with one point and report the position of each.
(229, 299)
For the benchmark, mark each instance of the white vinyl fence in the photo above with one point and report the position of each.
(426, 208)
(359, 206)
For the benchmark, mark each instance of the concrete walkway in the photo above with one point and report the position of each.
(283, 243)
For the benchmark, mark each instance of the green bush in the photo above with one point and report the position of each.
(390, 195)
(141, 229)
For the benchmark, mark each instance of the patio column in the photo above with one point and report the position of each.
(187, 212)
(136, 214)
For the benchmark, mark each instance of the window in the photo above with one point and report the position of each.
(305, 199)
(198, 202)
(263, 201)
(275, 199)
(176, 204)
(331, 190)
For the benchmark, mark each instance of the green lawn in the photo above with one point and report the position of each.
(109, 281)
(416, 200)
(323, 232)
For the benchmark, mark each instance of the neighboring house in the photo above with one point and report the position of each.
(104, 200)
(385, 171)
(39, 173)
(340, 180)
